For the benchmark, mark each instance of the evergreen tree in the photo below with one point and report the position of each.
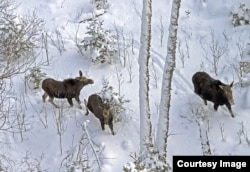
(99, 43)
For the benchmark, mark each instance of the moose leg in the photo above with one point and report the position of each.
(216, 107)
(205, 101)
(230, 110)
(52, 102)
(86, 107)
(102, 124)
(70, 101)
(78, 101)
(45, 95)
(111, 127)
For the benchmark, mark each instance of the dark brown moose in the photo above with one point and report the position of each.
(101, 110)
(68, 88)
(213, 90)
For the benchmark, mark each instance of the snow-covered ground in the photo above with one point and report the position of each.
(199, 22)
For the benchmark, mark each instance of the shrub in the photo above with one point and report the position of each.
(101, 4)
(34, 78)
(20, 36)
(241, 17)
(148, 161)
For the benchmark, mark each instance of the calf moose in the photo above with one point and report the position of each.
(68, 88)
(213, 90)
(101, 110)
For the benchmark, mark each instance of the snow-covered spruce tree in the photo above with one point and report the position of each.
(163, 123)
(113, 99)
(99, 44)
(34, 78)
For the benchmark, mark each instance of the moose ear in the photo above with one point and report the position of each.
(222, 87)
(80, 72)
(231, 84)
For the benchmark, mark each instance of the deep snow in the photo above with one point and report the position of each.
(226, 135)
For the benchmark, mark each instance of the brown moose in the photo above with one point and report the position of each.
(213, 90)
(101, 110)
(68, 88)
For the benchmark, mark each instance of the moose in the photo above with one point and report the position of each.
(213, 90)
(68, 88)
(101, 110)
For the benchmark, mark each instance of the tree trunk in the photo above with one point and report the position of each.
(163, 123)
(144, 55)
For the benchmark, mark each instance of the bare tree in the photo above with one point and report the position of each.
(129, 68)
(181, 53)
(13, 118)
(57, 41)
(217, 50)
(162, 31)
(243, 135)
(27, 162)
(77, 157)
(155, 75)
(239, 67)
(61, 126)
(20, 40)
(123, 45)
(132, 42)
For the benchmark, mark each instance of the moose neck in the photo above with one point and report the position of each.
(80, 84)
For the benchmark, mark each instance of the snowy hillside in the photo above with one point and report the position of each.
(65, 139)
